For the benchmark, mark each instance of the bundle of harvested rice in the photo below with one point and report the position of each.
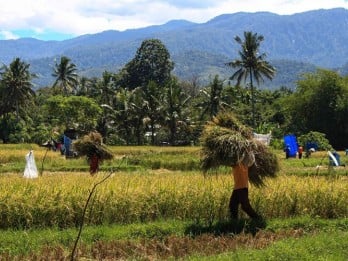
(226, 142)
(92, 144)
(266, 164)
(223, 146)
(228, 120)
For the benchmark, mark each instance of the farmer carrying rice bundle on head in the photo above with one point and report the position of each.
(227, 142)
(92, 147)
(240, 194)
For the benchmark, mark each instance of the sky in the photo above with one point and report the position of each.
(64, 19)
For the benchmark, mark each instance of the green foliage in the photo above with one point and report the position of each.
(151, 63)
(320, 104)
(65, 75)
(13, 130)
(251, 64)
(73, 111)
(176, 113)
(211, 98)
(317, 138)
(15, 87)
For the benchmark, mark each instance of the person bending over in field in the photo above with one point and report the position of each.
(240, 190)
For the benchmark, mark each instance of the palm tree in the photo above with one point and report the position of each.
(175, 102)
(212, 98)
(123, 116)
(153, 107)
(251, 64)
(65, 74)
(106, 88)
(16, 85)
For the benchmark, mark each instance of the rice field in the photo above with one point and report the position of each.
(152, 184)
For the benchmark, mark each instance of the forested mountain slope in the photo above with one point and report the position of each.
(293, 43)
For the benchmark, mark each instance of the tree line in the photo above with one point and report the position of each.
(144, 103)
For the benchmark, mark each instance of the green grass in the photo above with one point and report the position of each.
(25, 242)
(21, 242)
(326, 246)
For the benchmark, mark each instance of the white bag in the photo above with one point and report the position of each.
(30, 170)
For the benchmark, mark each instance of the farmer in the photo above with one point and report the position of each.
(287, 151)
(240, 190)
(300, 151)
(94, 164)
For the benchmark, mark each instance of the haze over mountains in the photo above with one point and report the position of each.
(293, 43)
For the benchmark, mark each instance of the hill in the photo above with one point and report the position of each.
(293, 43)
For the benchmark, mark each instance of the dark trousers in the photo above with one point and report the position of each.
(240, 196)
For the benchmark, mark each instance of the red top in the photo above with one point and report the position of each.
(300, 149)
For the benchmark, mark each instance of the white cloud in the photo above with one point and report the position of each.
(7, 35)
(90, 16)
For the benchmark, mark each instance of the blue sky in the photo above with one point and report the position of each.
(64, 19)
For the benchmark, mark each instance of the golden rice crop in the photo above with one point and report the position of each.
(57, 199)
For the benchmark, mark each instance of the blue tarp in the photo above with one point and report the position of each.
(311, 145)
(291, 141)
(335, 155)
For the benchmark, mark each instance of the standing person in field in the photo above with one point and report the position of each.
(94, 164)
(240, 194)
(300, 151)
(287, 151)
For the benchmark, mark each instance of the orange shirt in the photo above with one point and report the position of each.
(240, 176)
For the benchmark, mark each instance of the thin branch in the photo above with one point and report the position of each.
(72, 258)
(42, 163)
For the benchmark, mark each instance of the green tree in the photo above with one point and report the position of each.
(66, 76)
(251, 64)
(320, 104)
(212, 100)
(104, 92)
(151, 63)
(123, 115)
(16, 86)
(153, 98)
(74, 111)
(175, 109)
(84, 86)
(106, 86)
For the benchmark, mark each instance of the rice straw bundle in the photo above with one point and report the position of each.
(223, 146)
(228, 120)
(226, 142)
(266, 164)
(92, 144)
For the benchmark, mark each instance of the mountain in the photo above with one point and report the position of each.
(294, 44)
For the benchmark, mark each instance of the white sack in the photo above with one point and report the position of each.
(30, 170)
(264, 138)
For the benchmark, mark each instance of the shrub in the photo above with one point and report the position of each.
(317, 138)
